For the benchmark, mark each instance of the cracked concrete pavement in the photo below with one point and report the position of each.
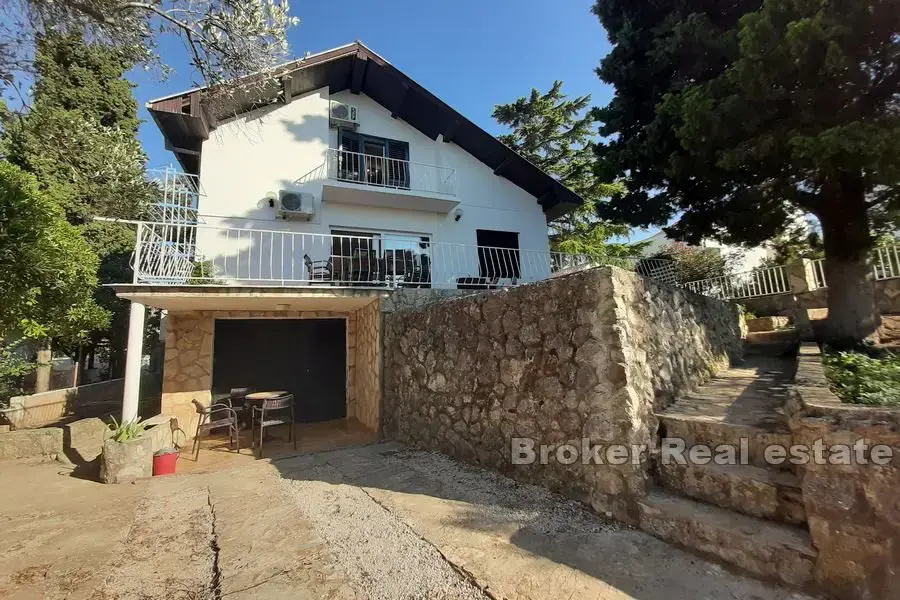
(372, 522)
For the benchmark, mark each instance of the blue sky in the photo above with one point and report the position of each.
(472, 54)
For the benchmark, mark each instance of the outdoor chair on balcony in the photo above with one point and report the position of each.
(421, 274)
(318, 270)
(216, 416)
(478, 283)
(270, 412)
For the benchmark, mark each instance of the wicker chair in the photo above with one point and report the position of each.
(213, 417)
(262, 416)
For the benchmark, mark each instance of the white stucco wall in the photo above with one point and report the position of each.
(258, 153)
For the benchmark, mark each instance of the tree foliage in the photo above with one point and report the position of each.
(734, 116)
(80, 141)
(798, 241)
(47, 270)
(226, 39)
(556, 134)
(693, 263)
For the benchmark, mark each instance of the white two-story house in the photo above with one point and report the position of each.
(294, 217)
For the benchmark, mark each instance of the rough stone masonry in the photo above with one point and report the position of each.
(590, 356)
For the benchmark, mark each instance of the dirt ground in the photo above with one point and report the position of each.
(377, 522)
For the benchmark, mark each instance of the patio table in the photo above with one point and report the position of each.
(260, 396)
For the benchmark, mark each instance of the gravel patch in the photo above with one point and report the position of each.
(380, 553)
(496, 498)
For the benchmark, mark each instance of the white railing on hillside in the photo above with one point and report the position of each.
(886, 262)
(168, 254)
(818, 273)
(751, 284)
(383, 172)
(885, 265)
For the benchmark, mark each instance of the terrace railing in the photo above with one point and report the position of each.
(385, 172)
(750, 284)
(885, 265)
(172, 254)
(769, 281)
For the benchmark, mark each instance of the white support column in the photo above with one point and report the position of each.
(133, 356)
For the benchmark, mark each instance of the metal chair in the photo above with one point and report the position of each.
(262, 415)
(318, 270)
(215, 416)
(237, 399)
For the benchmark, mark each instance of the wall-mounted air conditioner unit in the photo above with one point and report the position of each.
(343, 115)
(296, 205)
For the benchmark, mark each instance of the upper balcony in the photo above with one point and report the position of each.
(359, 178)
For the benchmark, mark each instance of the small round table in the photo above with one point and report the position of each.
(259, 396)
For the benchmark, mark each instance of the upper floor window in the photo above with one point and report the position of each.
(373, 160)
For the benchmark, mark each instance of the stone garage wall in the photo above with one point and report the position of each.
(364, 402)
(572, 358)
(187, 373)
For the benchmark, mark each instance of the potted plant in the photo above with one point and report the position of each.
(127, 453)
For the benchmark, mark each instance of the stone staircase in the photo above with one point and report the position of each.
(749, 515)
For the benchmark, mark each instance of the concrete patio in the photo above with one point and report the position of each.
(377, 521)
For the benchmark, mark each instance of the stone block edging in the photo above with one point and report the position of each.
(811, 396)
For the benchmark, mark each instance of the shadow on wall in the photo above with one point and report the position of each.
(308, 129)
(251, 125)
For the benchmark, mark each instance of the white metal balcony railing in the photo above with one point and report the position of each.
(818, 273)
(383, 172)
(167, 254)
(766, 281)
(885, 265)
(769, 281)
(178, 196)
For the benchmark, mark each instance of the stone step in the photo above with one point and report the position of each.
(714, 432)
(788, 334)
(775, 551)
(773, 347)
(754, 491)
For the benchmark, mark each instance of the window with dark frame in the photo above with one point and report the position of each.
(498, 254)
(373, 160)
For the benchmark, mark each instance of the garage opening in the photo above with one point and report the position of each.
(307, 357)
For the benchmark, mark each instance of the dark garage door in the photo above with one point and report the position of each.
(305, 356)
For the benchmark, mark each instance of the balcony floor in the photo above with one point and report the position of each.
(348, 192)
(237, 297)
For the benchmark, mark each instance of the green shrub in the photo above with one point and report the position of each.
(861, 378)
(127, 430)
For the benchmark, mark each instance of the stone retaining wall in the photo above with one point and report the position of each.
(853, 511)
(585, 356)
